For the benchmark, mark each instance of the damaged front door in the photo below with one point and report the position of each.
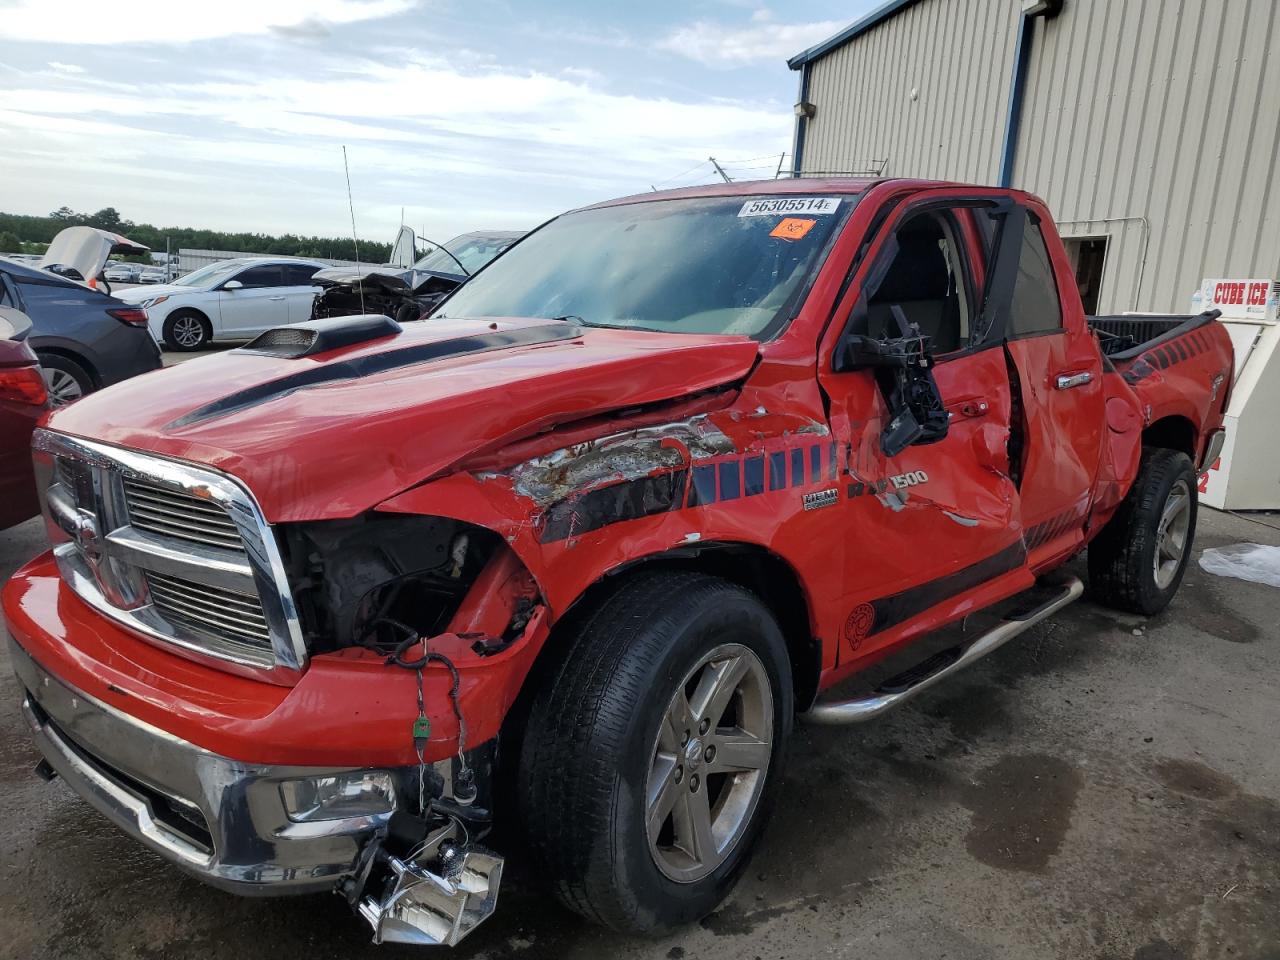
(940, 518)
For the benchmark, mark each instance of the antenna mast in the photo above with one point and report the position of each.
(354, 239)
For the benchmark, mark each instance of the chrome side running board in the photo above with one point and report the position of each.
(901, 688)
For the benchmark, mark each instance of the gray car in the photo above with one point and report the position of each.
(84, 338)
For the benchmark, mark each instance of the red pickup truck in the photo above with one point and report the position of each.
(573, 552)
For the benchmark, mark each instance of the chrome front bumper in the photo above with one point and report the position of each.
(220, 819)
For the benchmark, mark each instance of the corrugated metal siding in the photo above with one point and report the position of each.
(957, 55)
(1155, 123)
(1163, 110)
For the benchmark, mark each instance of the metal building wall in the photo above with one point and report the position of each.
(1155, 123)
(957, 55)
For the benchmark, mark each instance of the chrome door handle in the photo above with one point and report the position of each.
(275, 298)
(1067, 381)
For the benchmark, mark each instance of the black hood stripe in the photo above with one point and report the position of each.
(373, 364)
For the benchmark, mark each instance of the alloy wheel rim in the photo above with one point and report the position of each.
(63, 388)
(1172, 534)
(709, 762)
(188, 331)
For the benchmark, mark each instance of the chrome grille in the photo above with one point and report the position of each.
(179, 553)
(172, 513)
(210, 609)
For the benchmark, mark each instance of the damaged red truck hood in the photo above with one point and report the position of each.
(332, 435)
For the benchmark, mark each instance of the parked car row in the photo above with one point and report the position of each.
(133, 273)
(64, 335)
(228, 300)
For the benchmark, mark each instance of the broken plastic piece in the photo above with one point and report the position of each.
(426, 908)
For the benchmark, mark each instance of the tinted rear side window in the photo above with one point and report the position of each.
(298, 274)
(264, 276)
(1036, 307)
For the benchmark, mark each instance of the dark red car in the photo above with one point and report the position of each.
(23, 399)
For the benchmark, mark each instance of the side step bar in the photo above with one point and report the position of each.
(901, 688)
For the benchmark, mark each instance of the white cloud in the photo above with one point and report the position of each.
(491, 147)
(65, 67)
(183, 21)
(716, 44)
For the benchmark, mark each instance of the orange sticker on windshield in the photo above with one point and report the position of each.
(792, 228)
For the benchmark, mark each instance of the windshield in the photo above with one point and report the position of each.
(210, 274)
(472, 252)
(731, 265)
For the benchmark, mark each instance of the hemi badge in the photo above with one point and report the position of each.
(821, 498)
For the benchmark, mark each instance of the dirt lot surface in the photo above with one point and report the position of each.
(1102, 787)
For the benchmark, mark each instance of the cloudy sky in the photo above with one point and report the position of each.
(467, 113)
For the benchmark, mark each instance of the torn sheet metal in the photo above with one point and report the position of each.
(633, 455)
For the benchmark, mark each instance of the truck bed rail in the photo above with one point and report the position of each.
(1126, 335)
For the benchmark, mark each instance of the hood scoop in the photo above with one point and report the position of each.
(370, 364)
(317, 336)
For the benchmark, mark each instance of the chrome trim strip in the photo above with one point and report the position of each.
(288, 656)
(222, 568)
(1213, 449)
(149, 623)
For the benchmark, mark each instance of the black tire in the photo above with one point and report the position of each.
(1122, 558)
(590, 743)
(408, 312)
(176, 339)
(66, 380)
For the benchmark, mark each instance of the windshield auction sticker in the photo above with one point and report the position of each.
(792, 228)
(772, 206)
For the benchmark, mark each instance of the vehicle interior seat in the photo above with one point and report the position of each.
(920, 281)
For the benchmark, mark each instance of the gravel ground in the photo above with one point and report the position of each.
(1102, 787)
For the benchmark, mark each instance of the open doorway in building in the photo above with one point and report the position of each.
(1088, 256)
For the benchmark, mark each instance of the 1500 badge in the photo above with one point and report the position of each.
(900, 482)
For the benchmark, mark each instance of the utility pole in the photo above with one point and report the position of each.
(720, 170)
(780, 162)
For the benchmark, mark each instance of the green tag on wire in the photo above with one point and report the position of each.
(421, 729)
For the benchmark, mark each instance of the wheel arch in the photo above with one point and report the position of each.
(752, 566)
(1173, 432)
(79, 359)
(188, 308)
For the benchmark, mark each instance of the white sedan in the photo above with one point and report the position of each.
(227, 300)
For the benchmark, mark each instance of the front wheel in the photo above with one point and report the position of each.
(187, 330)
(1137, 561)
(653, 753)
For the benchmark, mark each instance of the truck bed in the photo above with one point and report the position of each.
(1126, 336)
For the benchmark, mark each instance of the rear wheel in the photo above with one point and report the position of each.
(1137, 562)
(652, 755)
(66, 380)
(187, 330)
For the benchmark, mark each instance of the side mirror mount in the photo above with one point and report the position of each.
(903, 370)
(233, 285)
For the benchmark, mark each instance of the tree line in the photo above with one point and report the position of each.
(20, 233)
